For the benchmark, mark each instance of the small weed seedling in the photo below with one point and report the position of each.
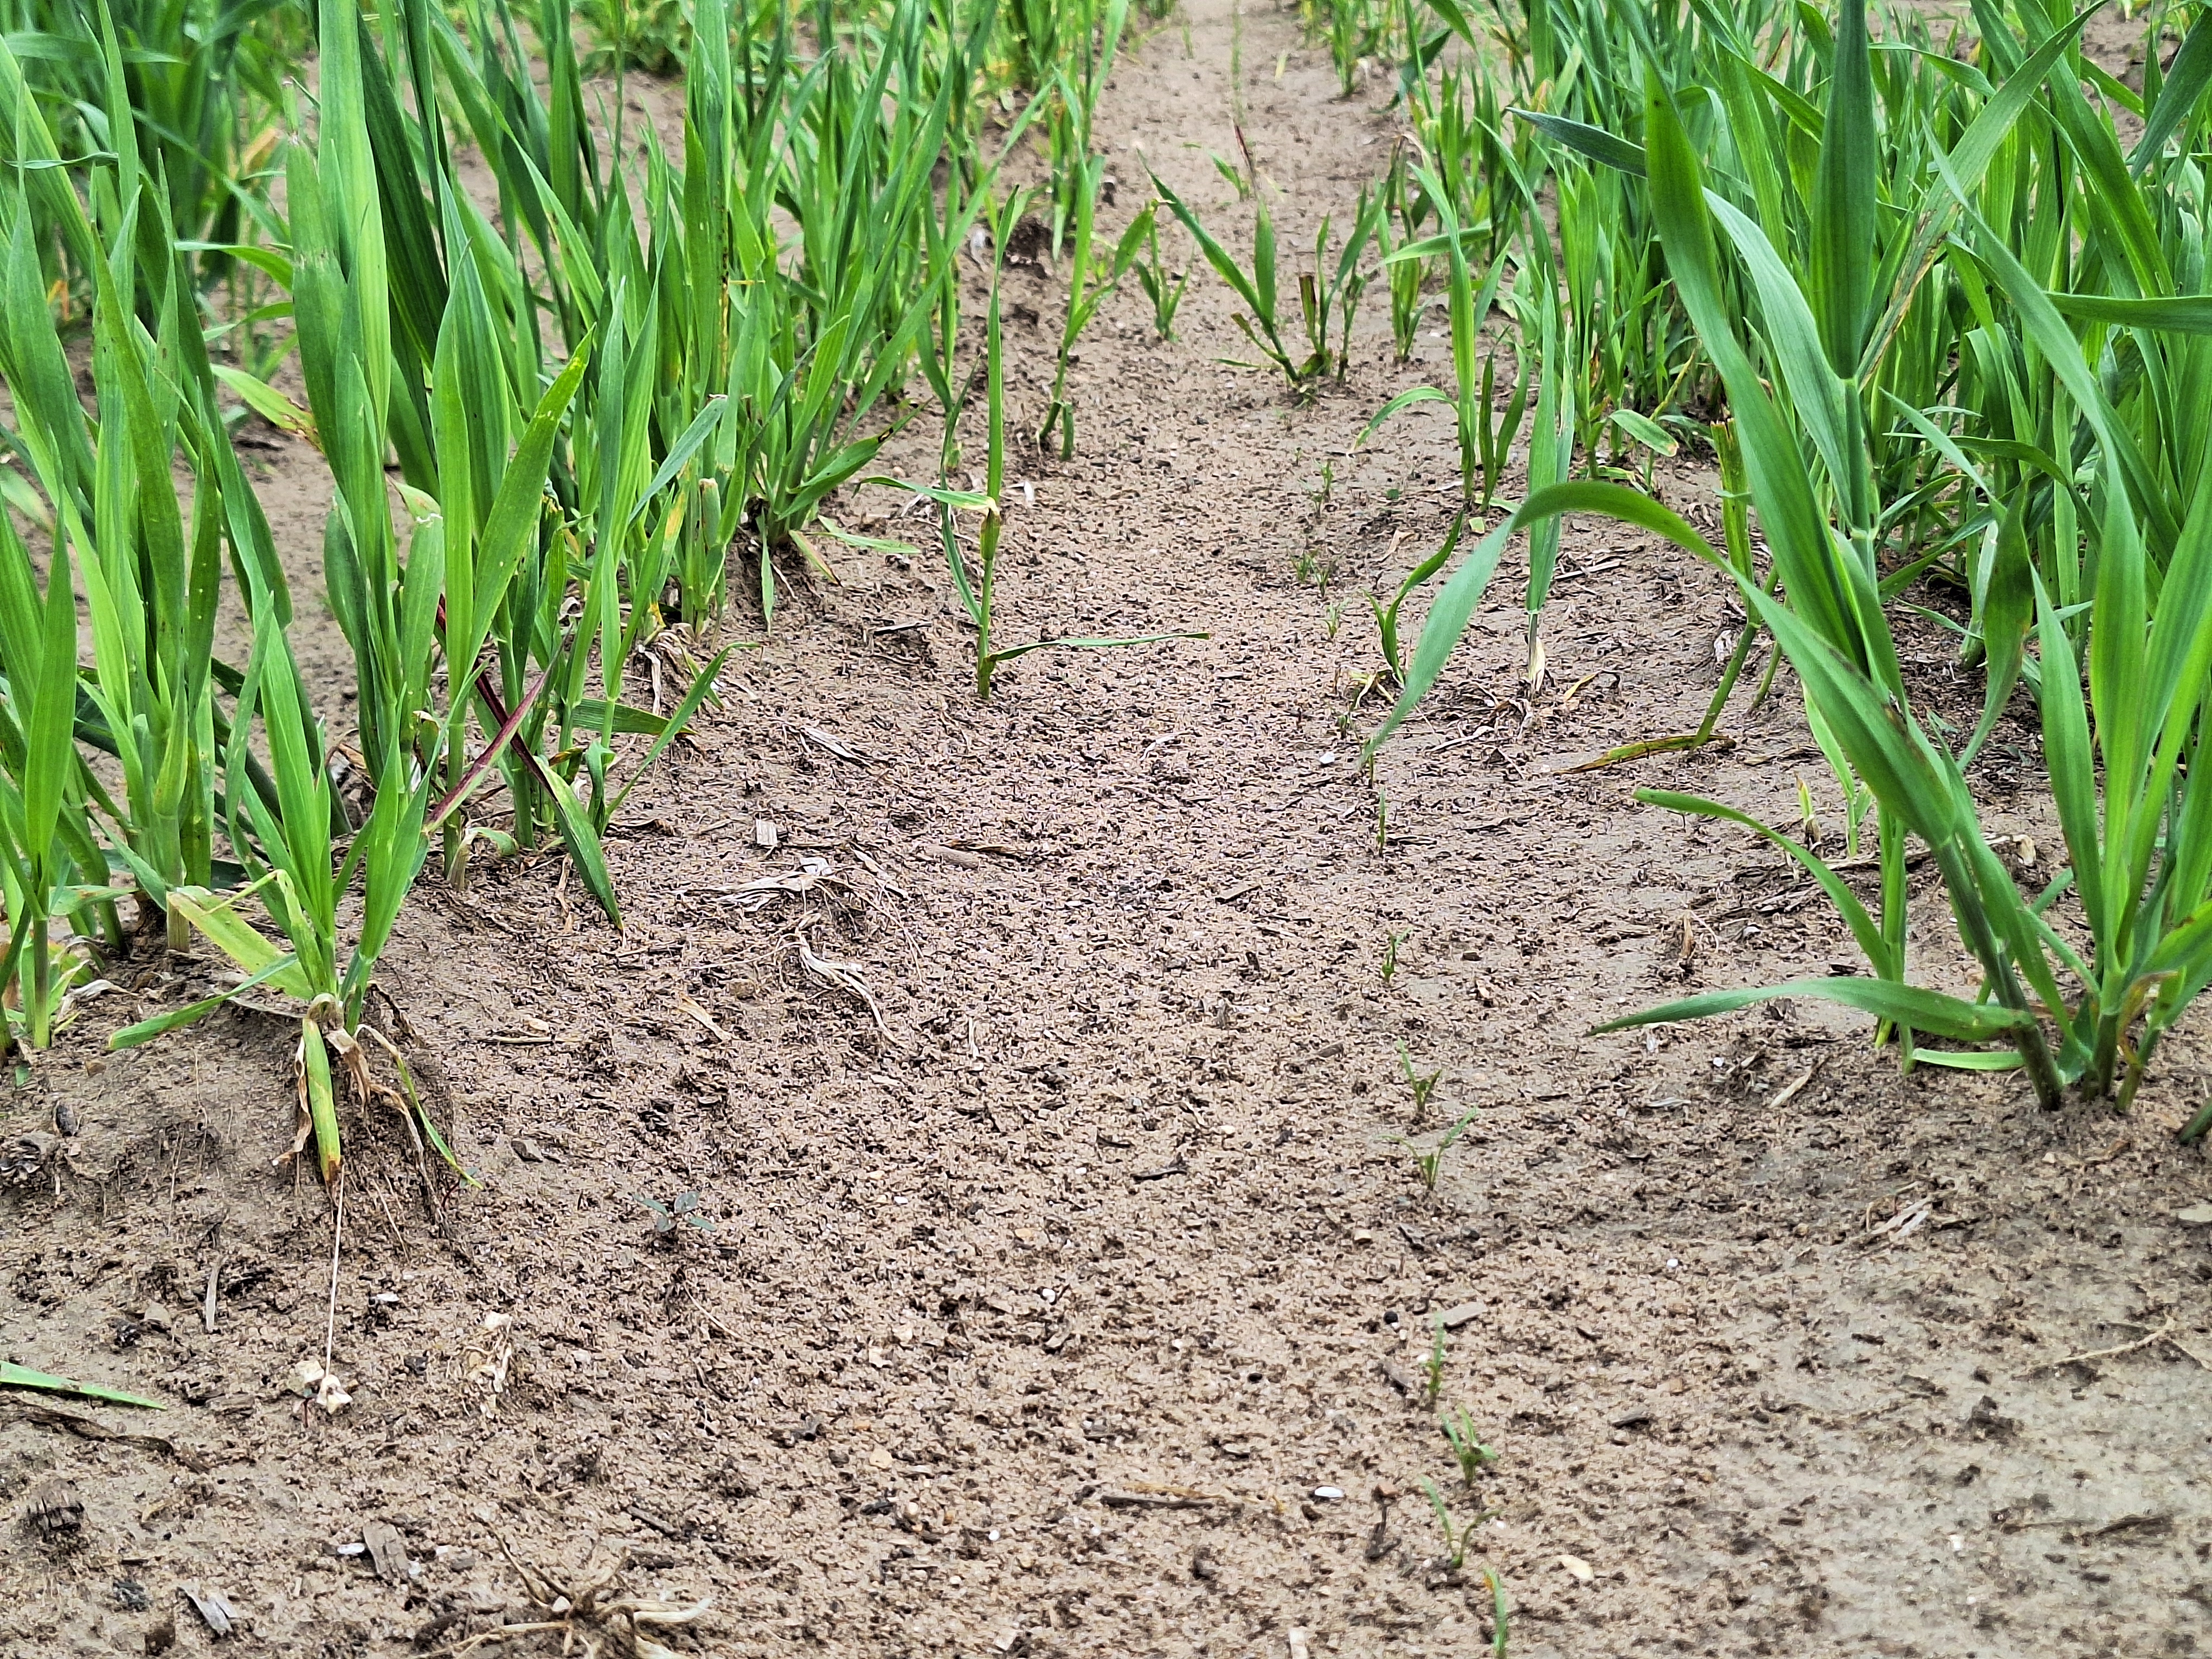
(1332, 617)
(1320, 494)
(1473, 1456)
(1423, 1087)
(683, 1207)
(1432, 1371)
(1382, 821)
(1390, 955)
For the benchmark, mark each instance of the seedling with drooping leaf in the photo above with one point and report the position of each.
(1456, 1539)
(1326, 301)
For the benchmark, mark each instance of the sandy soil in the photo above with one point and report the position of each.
(1087, 1306)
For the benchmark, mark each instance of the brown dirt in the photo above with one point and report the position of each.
(1034, 1324)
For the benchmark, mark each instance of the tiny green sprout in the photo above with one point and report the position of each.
(682, 1207)
(1381, 822)
(1332, 617)
(1473, 1456)
(1423, 1087)
(1455, 1541)
(1390, 955)
(1432, 1372)
(1430, 1161)
(1497, 1612)
(1163, 287)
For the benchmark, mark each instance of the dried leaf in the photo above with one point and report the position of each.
(813, 871)
(387, 1552)
(844, 975)
(216, 1613)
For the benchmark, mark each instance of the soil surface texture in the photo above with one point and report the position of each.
(1055, 1272)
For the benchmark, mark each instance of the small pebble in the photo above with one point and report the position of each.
(1328, 1494)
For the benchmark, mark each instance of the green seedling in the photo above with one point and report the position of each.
(975, 577)
(1390, 943)
(1470, 303)
(1355, 30)
(1473, 1456)
(1497, 429)
(647, 35)
(1456, 1539)
(1087, 290)
(1338, 296)
(1423, 1087)
(1736, 524)
(1645, 435)
(1259, 319)
(1430, 1162)
(1432, 1368)
(1386, 615)
(1405, 278)
(1161, 287)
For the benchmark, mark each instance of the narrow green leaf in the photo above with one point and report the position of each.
(1595, 142)
(147, 1030)
(13, 1376)
(581, 840)
(1932, 1012)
